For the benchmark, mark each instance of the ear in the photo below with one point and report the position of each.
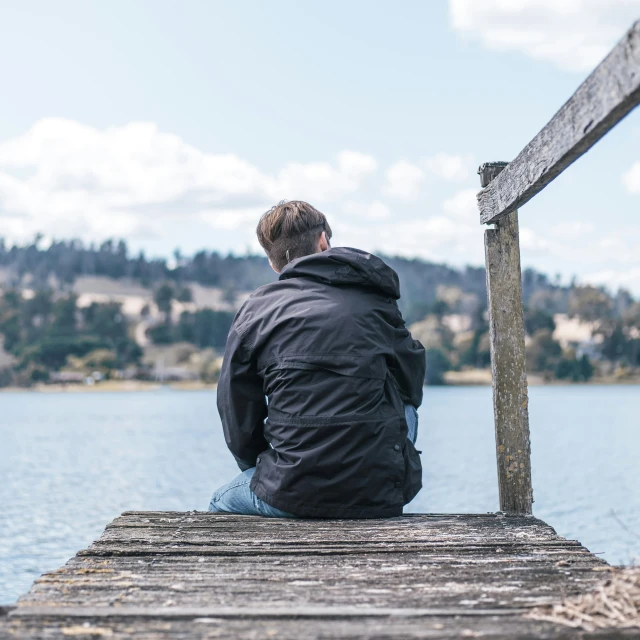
(271, 265)
(323, 243)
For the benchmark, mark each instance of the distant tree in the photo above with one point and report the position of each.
(100, 359)
(615, 344)
(565, 369)
(631, 320)
(105, 320)
(536, 319)
(586, 368)
(52, 352)
(631, 328)
(163, 297)
(432, 332)
(40, 306)
(440, 308)
(543, 352)
(590, 304)
(415, 310)
(7, 377)
(184, 294)
(578, 370)
(437, 365)
(205, 327)
(229, 294)
(476, 351)
(11, 325)
(64, 322)
(622, 302)
(162, 334)
(549, 301)
(127, 351)
(30, 374)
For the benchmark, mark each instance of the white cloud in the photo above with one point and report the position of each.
(315, 181)
(614, 280)
(463, 206)
(375, 210)
(436, 238)
(572, 228)
(619, 245)
(356, 165)
(571, 34)
(616, 254)
(449, 167)
(230, 219)
(403, 180)
(454, 237)
(631, 179)
(531, 242)
(68, 179)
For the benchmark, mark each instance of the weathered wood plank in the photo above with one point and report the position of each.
(603, 99)
(195, 550)
(211, 534)
(496, 529)
(485, 527)
(485, 524)
(202, 536)
(257, 612)
(409, 580)
(508, 363)
(172, 575)
(392, 628)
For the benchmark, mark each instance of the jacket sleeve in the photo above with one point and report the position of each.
(241, 403)
(408, 364)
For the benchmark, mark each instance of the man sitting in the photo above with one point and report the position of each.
(320, 382)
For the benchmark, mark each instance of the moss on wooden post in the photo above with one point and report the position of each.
(506, 331)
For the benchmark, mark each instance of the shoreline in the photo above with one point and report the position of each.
(482, 377)
(472, 378)
(113, 386)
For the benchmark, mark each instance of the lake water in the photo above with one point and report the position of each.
(69, 463)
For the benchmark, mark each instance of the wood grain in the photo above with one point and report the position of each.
(601, 101)
(181, 575)
(508, 362)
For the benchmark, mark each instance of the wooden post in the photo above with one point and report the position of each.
(506, 332)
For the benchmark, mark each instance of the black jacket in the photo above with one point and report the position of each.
(327, 346)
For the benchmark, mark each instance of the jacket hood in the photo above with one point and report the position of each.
(345, 266)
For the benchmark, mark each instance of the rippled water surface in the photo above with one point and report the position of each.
(69, 463)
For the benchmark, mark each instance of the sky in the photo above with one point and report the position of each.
(175, 125)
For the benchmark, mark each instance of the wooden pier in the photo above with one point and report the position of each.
(192, 575)
(197, 575)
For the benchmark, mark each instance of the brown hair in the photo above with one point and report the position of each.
(290, 230)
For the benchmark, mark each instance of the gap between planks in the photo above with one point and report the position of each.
(256, 612)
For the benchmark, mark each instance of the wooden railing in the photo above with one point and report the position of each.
(604, 98)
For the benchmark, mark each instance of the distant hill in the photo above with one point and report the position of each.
(61, 263)
(68, 311)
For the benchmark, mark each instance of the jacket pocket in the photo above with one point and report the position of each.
(413, 472)
(327, 386)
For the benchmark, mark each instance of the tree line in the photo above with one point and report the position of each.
(68, 259)
(613, 348)
(42, 333)
(45, 330)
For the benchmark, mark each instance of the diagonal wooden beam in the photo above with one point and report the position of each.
(601, 101)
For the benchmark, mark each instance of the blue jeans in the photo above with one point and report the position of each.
(237, 497)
